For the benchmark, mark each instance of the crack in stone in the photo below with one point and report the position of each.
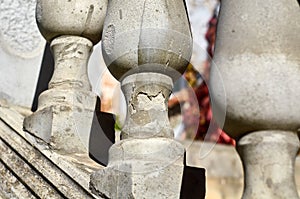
(150, 97)
(147, 101)
(141, 30)
(131, 100)
(88, 18)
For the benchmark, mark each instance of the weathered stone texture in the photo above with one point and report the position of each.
(19, 34)
(147, 163)
(76, 17)
(21, 51)
(257, 64)
(269, 162)
(11, 187)
(45, 173)
(141, 168)
(65, 111)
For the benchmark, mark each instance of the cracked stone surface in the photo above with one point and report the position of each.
(146, 46)
(147, 95)
(147, 162)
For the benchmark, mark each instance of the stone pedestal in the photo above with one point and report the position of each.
(147, 163)
(65, 111)
(268, 158)
(141, 168)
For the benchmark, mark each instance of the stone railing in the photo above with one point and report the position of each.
(146, 49)
(146, 46)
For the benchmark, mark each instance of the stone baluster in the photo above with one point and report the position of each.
(65, 111)
(146, 44)
(257, 57)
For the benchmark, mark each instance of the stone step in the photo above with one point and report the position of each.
(37, 172)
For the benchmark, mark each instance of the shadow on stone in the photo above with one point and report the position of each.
(102, 135)
(46, 72)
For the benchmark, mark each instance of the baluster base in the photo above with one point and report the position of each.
(141, 168)
(268, 159)
(65, 111)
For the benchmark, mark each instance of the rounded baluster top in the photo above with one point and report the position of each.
(71, 17)
(257, 63)
(146, 36)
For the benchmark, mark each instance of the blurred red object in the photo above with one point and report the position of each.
(206, 128)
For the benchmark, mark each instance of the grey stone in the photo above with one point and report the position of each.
(269, 162)
(71, 17)
(257, 63)
(21, 51)
(11, 187)
(141, 168)
(146, 45)
(19, 34)
(146, 97)
(67, 107)
(65, 111)
(147, 155)
(44, 172)
(138, 33)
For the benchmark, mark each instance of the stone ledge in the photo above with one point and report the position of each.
(39, 171)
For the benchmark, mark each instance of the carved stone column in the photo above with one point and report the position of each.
(145, 46)
(257, 55)
(65, 111)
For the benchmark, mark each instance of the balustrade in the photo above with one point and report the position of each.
(147, 46)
